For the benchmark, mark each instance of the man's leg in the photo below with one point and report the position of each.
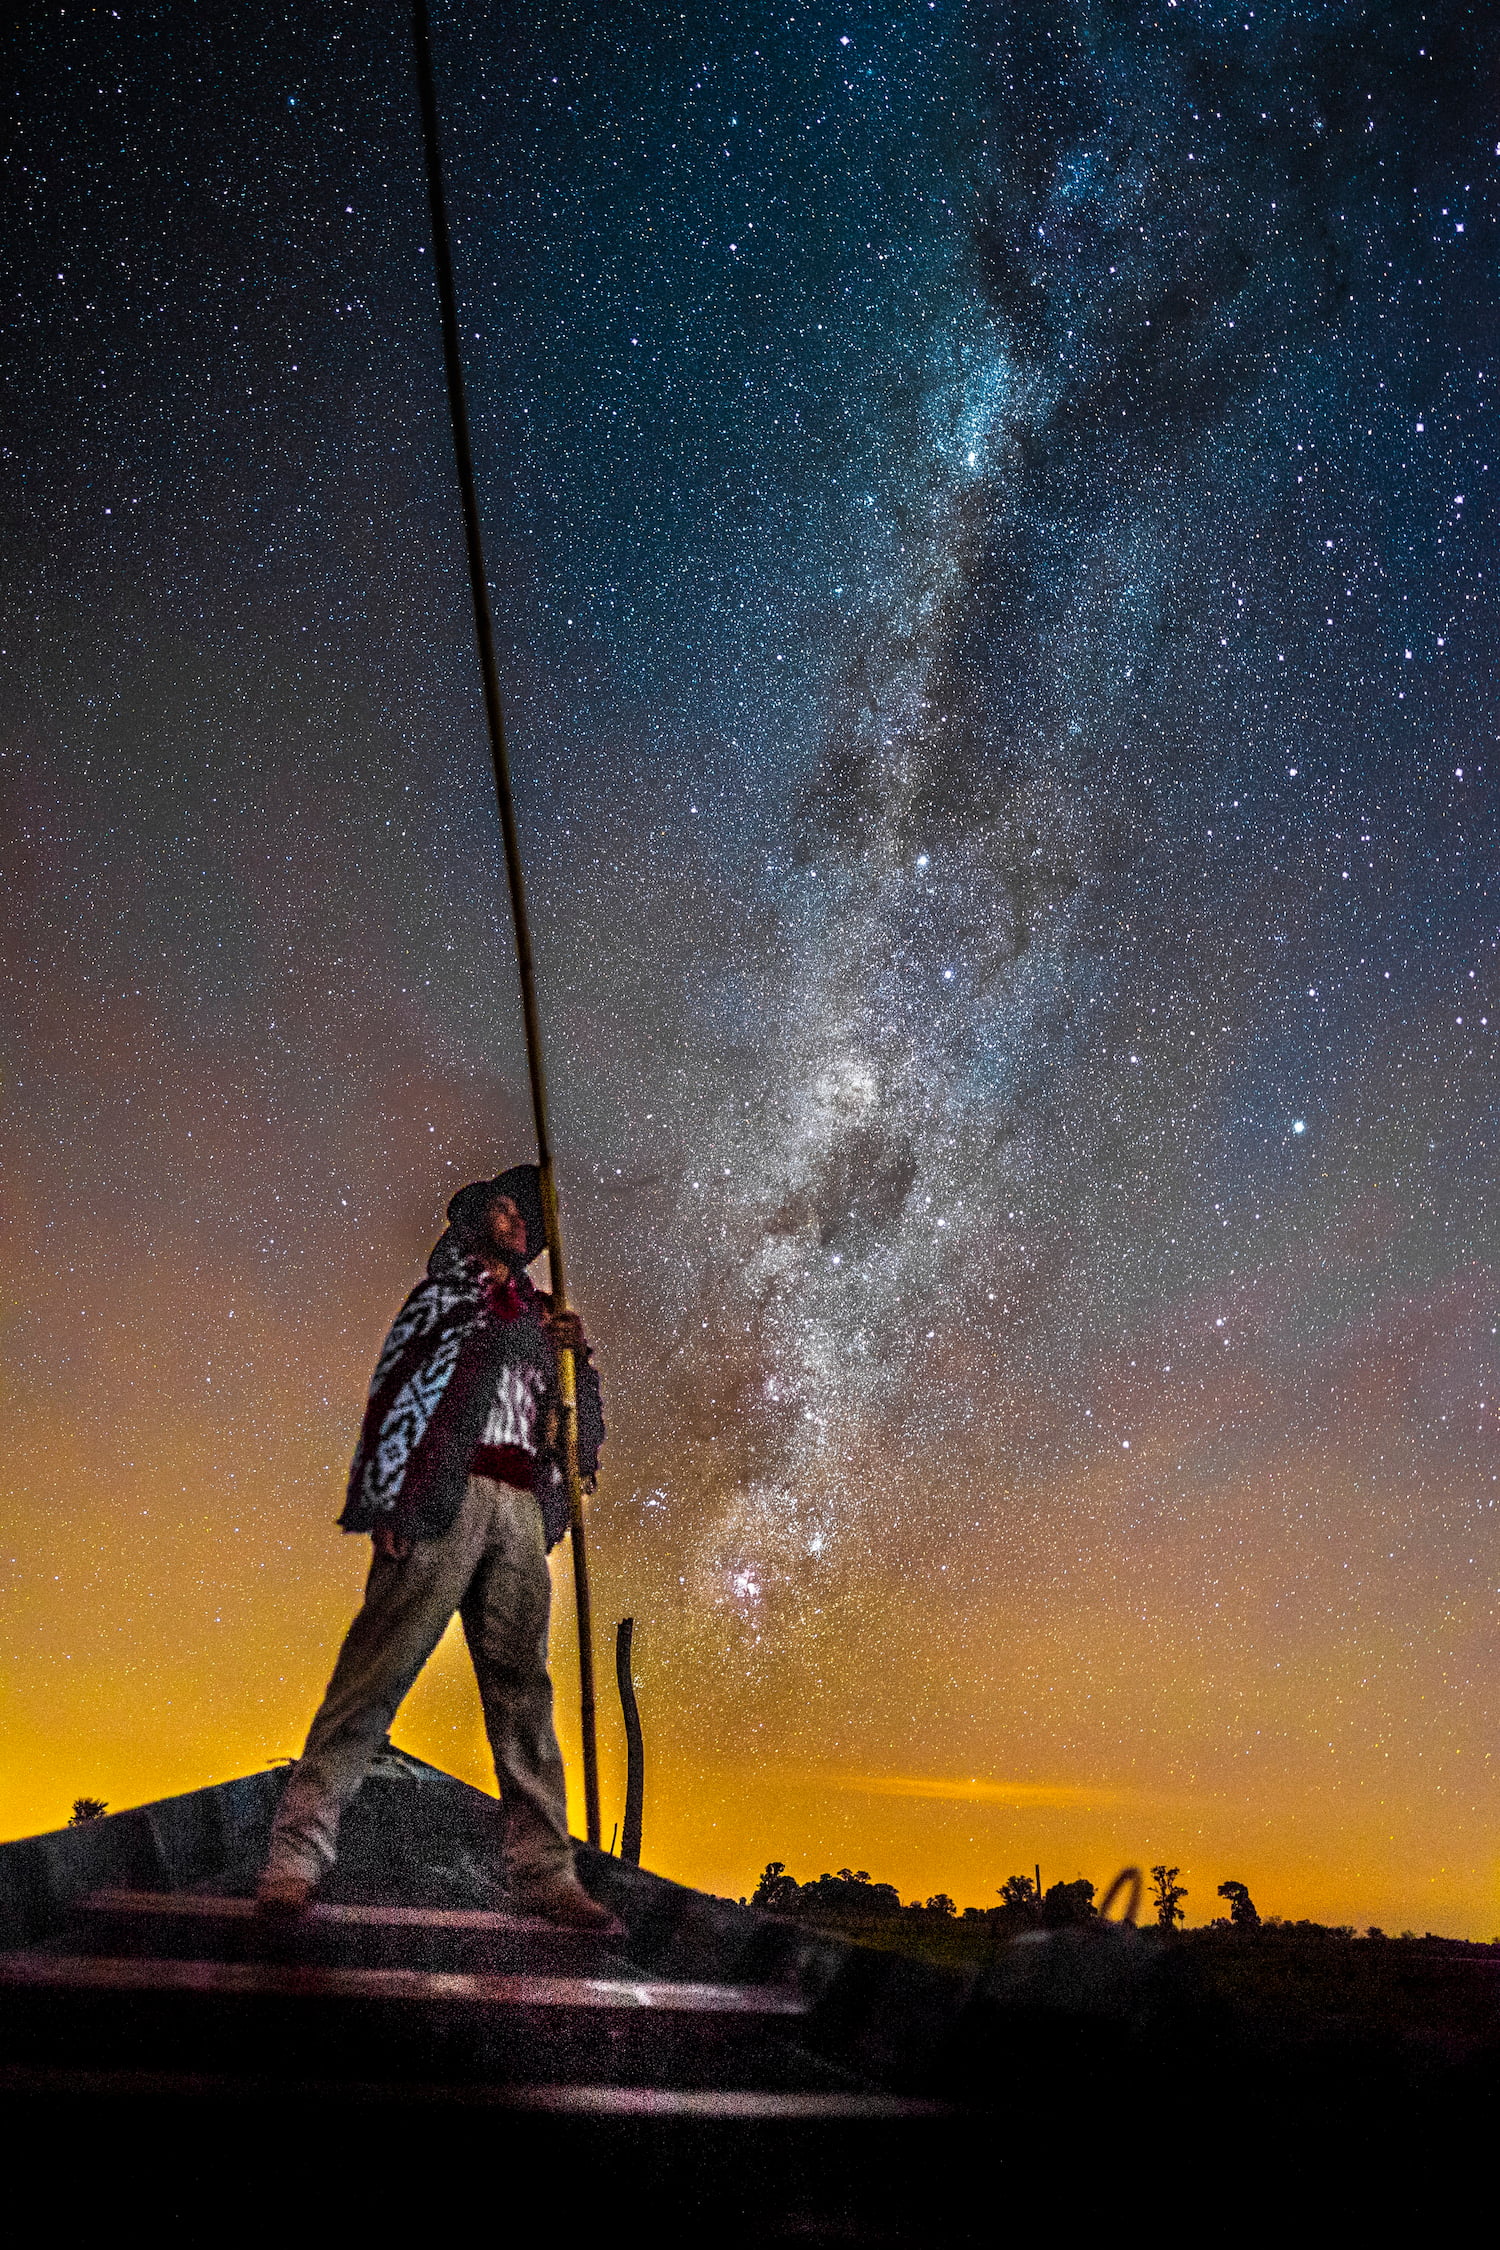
(407, 1605)
(505, 1614)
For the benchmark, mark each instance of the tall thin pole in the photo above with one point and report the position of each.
(484, 634)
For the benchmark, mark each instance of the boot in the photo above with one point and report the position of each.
(284, 1897)
(562, 1900)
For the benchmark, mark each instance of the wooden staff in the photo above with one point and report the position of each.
(484, 634)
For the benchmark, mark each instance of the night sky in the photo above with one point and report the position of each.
(994, 549)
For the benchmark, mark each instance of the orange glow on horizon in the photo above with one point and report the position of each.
(1164, 1635)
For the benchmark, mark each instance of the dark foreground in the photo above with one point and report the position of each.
(414, 2055)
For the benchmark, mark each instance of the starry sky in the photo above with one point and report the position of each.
(993, 537)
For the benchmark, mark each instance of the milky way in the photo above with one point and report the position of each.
(991, 516)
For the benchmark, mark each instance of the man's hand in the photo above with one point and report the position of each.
(388, 1544)
(566, 1332)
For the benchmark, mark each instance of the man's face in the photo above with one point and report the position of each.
(507, 1228)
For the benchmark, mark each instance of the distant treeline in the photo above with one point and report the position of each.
(851, 1896)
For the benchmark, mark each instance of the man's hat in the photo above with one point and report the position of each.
(523, 1184)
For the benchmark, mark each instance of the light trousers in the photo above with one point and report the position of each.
(491, 1567)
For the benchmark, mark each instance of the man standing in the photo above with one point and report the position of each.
(458, 1480)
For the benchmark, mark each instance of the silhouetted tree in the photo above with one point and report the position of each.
(86, 1808)
(1019, 1908)
(1169, 1893)
(1067, 1904)
(777, 1890)
(942, 1906)
(850, 1892)
(1242, 1913)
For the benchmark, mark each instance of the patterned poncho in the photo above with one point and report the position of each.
(461, 1338)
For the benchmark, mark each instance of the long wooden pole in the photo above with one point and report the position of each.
(484, 634)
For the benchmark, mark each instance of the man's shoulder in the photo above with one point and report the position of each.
(448, 1262)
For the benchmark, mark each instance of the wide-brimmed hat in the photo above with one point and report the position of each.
(523, 1184)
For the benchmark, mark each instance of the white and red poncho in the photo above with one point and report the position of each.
(468, 1368)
